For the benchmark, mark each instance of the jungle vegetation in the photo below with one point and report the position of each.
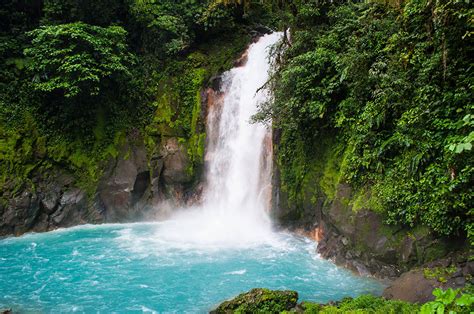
(389, 82)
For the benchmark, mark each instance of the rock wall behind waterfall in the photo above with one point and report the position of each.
(136, 185)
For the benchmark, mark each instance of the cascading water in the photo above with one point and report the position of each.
(238, 173)
(199, 258)
(238, 158)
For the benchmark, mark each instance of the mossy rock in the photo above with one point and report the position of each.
(260, 300)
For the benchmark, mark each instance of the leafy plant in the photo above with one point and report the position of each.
(439, 273)
(75, 59)
(449, 301)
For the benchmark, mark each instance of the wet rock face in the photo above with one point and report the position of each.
(116, 188)
(135, 186)
(20, 213)
(72, 205)
(54, 203)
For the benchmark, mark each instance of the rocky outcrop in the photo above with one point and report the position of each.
(359, 240)
(417, 284)
(352, 234)
(260, 301)
(124, 183)
(54, 202)
(138, 186)
(135, 185)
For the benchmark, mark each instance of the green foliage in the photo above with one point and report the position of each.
(102, 13)
(372, 304)
(365, 304)
(170, 27)
(268, 301)
(449, 301)
(394, 86)
(75, 59)
(439, 273)
(77, 76)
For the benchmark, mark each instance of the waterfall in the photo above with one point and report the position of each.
(236, 199)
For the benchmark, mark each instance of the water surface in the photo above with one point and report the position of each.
(129, 268)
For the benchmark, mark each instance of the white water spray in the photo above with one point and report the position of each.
(235, 205)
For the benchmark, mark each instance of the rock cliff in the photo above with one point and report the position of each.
(135, 185)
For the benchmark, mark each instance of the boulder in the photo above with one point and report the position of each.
(416, 285)
(412, 287)
(260, 300)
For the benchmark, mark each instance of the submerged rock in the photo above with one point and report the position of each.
(260, 300)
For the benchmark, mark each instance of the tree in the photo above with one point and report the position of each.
(171, 27)
(75, 59)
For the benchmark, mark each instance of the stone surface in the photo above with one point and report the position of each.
(136, 185)
(117, 185)
(417, 284)
(175, 162)
(72, 204)
(358, 240)
(52, 203)
(412, 286)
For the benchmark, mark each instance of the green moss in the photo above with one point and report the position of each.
(310, 172)
(99, 129)
(178, 100)
(260, 301)
(331, 173)
(196, 111)
(365, 198)
(436, 251)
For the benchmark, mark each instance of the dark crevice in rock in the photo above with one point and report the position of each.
(142, 182)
